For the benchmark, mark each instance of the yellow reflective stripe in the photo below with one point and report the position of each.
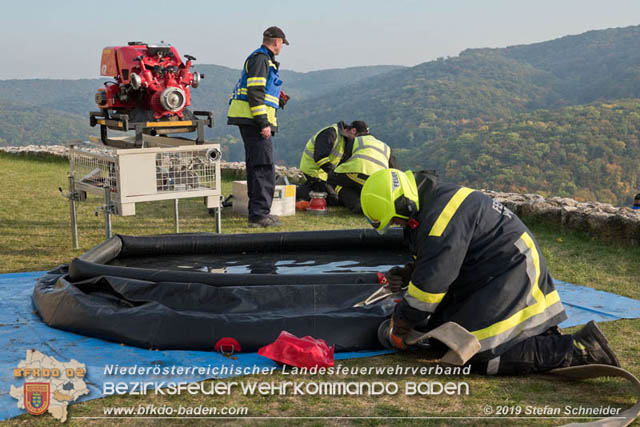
(542, 301)
(448, 211)
(256, 81)
(271, 98)
(519, 317)
(338, 188)
(322, 161)
(260, 109)
(423, 296)
(308, 153)
(168, 124)
(356, 178)
(271, 64)
(551, 298)
(104, 122)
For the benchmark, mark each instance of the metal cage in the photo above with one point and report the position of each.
(126, 176)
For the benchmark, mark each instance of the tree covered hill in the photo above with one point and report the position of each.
(24, 124)
(587, 152)
(215, 89)
(407, 108)
(410, 107)
(71, 96)
(591, 66)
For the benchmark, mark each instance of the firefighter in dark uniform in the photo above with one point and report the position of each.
(253, 105)
(478, 265)
(368, 155)
(323, 152)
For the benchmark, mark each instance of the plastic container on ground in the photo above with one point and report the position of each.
(284, 199)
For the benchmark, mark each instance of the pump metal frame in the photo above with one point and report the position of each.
(168, 169)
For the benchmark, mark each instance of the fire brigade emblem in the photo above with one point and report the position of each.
(36, 398)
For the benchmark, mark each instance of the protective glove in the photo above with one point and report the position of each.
(332, 196)
(284, 98)
(400, 329)
(399, 277)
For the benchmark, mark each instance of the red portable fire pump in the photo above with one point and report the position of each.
(150, 93)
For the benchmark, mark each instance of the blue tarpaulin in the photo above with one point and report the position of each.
(21, 330)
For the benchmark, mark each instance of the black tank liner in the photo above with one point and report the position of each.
(191, 297)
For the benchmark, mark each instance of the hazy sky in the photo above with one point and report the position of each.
(64, 38)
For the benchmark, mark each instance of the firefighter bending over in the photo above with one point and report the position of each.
(323, 152)
(367, 156)
(478, 265)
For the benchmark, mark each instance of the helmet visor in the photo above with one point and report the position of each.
(378, 226)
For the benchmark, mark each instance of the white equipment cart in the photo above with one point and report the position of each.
(164, 169)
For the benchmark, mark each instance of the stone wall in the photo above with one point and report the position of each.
(232, 169)
(600, 220)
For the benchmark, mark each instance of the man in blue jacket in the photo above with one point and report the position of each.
(254, 102)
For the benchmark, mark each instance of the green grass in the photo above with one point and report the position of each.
(34, 230)
(35, 224)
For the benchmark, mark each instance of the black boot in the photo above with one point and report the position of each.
(591, 347)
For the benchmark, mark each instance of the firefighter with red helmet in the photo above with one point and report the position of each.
(476, 264)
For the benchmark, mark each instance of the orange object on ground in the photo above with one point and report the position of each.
(302, 205)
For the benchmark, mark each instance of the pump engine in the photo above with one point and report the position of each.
(150, 91)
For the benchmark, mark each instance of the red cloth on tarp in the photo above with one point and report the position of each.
(305, 352)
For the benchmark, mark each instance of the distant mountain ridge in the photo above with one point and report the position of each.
(57, 97)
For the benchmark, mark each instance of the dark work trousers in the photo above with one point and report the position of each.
(261, 172)
(544, 352)
(348, 189)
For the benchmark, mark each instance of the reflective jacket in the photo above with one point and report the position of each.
(479, 266)
(315, 167)
(369, 155)
(256, 96)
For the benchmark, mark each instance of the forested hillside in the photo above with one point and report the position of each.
(588, 152)
(39, 125)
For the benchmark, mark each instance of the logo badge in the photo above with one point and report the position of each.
(395, 181)
(36, 398)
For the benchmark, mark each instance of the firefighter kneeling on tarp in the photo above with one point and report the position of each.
(476, 264)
